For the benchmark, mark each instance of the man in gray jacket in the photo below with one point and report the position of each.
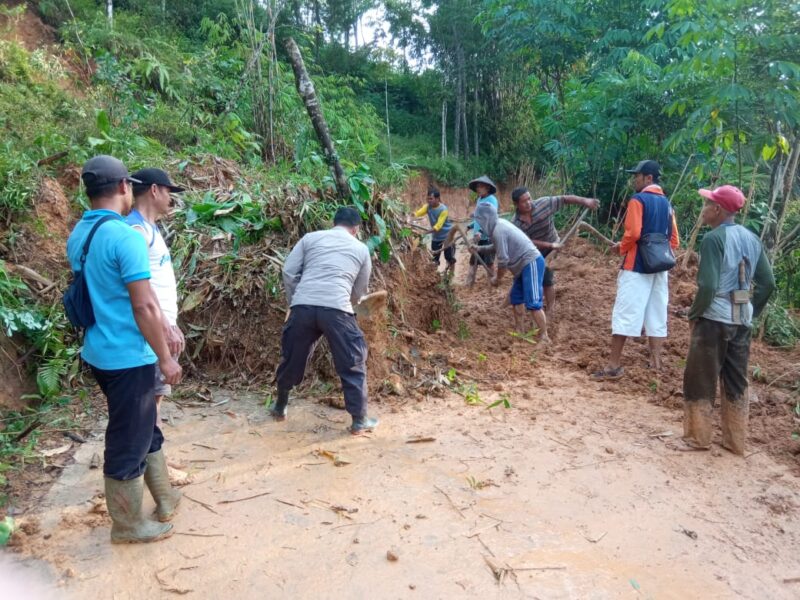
(325, 274)
(516, 253)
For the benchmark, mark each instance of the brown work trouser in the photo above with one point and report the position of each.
(717, 352)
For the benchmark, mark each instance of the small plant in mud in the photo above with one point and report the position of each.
(436, 325)
(469, 391)
(759, 374)
(463, 330)
(528, 336)
(449, 293)
(653, 386)
(482, 358)
(504, 400)
(479, 484)
(451, 375)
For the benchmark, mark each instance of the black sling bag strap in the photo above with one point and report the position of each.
(77, 302)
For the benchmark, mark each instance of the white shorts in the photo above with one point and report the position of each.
(641, 302)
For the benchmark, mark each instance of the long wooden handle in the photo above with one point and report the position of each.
(568, 235)
(472, 249)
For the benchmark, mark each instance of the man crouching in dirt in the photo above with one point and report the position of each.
(325, 274)
(515, 252)
(731, 261)
(122, 348)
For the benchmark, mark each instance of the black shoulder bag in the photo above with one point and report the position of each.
(655, 250)
(77, 302)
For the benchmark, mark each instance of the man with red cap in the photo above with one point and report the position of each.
(734, 282)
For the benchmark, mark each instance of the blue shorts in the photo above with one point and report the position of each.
(527, 287)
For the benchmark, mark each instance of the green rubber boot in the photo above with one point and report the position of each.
(124, 501)
(156, 476)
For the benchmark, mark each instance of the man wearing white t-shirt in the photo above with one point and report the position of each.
(152, 202)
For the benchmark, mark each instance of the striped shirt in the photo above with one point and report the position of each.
(542, 226)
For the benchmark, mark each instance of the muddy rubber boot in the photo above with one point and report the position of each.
(156, 476)
(363, 425)
(124, 501)
(279, 407)
(734, 414)
(697, 423)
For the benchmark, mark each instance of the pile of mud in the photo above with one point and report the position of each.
(235, 317)
(581, 333)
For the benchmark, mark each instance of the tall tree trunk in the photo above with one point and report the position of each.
(462, 98)
(305, 87)
(388, 130)
(475, 122)
(457, 125)
(110, 12)
(769, 231)
(788, 185)
(317, 29)
(444, 128)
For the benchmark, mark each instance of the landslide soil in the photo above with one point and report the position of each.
(577, 490)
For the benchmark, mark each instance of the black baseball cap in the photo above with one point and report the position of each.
(102, 170)
(347, 215)
(646, 167)
(148, 177)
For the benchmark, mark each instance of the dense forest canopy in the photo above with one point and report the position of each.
(561, 96)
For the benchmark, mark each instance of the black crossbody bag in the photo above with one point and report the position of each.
(656, 252)
(77, 302)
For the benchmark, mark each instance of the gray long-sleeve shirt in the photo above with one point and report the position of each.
(328, 268)
(513, 248)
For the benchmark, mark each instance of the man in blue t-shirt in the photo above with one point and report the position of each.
(122, 348)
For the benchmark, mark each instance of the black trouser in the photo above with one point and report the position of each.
(488, 257)
(718, 355)
(717, 352)
(449, 252)
(132, 431)
(305, 326)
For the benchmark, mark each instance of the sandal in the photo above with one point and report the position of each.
(608, 374)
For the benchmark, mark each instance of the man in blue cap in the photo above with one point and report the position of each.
(324, 276)
(123, 346)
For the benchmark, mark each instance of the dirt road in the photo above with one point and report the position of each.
(569, 499)
(576, 491)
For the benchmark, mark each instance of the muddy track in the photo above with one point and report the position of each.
(577, 490)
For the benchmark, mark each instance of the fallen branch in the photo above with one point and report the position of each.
(30, 274)
(200, 534)
(243, 499)
(27, 430)
(420, 440)
(449, 499)
(201, 503)
(52, 158)
(599, 462)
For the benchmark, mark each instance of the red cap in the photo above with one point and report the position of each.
(728, 197)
